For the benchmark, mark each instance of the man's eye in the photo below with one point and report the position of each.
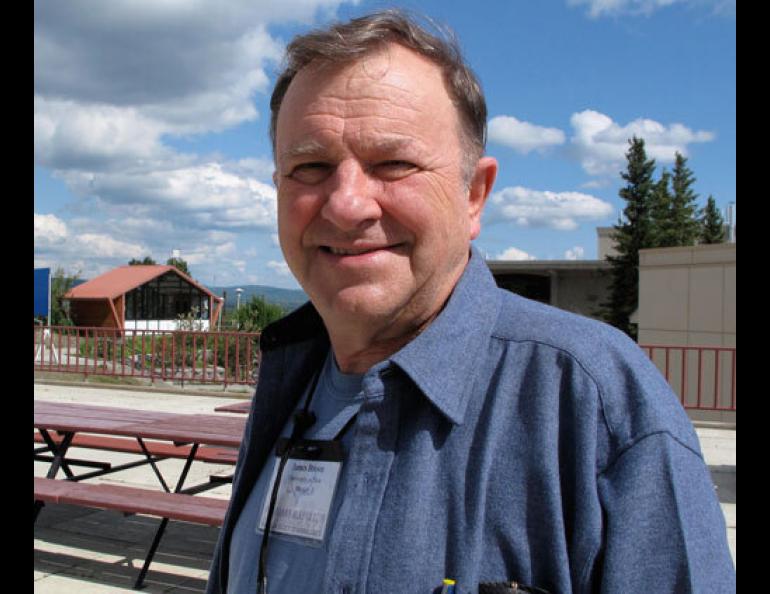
(394, 169)
(310, 173)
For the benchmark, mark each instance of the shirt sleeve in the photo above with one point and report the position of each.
(664, 528)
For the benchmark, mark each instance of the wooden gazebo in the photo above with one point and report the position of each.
(142, 297)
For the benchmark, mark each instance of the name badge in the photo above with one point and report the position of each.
(307, 488)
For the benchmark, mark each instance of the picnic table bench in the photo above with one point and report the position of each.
(192, 437)
(133, 500)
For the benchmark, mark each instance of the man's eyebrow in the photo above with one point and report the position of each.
(303, 149)
(385, 144)
(380, 144)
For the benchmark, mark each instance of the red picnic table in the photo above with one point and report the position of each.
(179, 428)
(191, 430)
(60, 425)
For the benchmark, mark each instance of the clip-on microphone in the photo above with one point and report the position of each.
(303, 420)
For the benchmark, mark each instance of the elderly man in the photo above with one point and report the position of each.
(415, 425)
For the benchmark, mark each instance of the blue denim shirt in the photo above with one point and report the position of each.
(508, 441)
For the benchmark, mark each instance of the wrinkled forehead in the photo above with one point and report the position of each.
(393, 88)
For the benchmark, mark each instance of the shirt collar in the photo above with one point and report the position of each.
(442, 361)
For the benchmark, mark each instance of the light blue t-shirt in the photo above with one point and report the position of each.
(294, 565)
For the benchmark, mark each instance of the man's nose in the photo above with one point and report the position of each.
(352, 198)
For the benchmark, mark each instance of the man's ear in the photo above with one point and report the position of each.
(480, 187)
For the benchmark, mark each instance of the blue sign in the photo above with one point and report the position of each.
(42, 291)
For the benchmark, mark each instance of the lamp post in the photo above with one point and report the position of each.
(731, 222)
(238, 292)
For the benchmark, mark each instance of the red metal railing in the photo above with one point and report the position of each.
(703, 377)
(181, 355)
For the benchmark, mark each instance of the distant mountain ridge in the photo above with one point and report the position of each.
(289, 299)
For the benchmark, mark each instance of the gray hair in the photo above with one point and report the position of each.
(344, 43)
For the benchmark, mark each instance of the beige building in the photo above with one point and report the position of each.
(578, 286)
(687, 297)
(606, 245)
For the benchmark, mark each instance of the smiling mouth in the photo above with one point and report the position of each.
(355, 252)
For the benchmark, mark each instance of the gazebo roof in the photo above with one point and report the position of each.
(123, 279)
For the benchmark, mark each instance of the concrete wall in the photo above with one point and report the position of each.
(579, 291)
(605, 243)
(576, 286)
(687, 296)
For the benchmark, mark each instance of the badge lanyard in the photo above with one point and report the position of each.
(303, 420)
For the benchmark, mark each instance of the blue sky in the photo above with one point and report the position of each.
(151, 121)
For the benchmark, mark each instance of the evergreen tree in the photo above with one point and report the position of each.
(631, 235)
(661, 207)
(712, 224)
(685, 228)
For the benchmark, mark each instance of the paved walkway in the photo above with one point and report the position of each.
(83, 551)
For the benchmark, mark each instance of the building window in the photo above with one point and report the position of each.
(531, 286)
(165, 298)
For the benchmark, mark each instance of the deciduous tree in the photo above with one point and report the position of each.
(61, 282)
(254, 315)
(179, 264)
(147, 261)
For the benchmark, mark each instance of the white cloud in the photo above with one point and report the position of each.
(57, 243)
(513, 253)
(576, 253)
(49, 229)
(597, 8)
(137, 226)
(115, 83)
(258, 168)
(600, 8)
(596, 184)
(188, 67)
(93, 247)
(523, 137)
(537, 208)
(600, 144)
(207, 195)
(282, 268)
(209, 253)
(104, 246)
(87, 136)
(193, 67)
(112, 83)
